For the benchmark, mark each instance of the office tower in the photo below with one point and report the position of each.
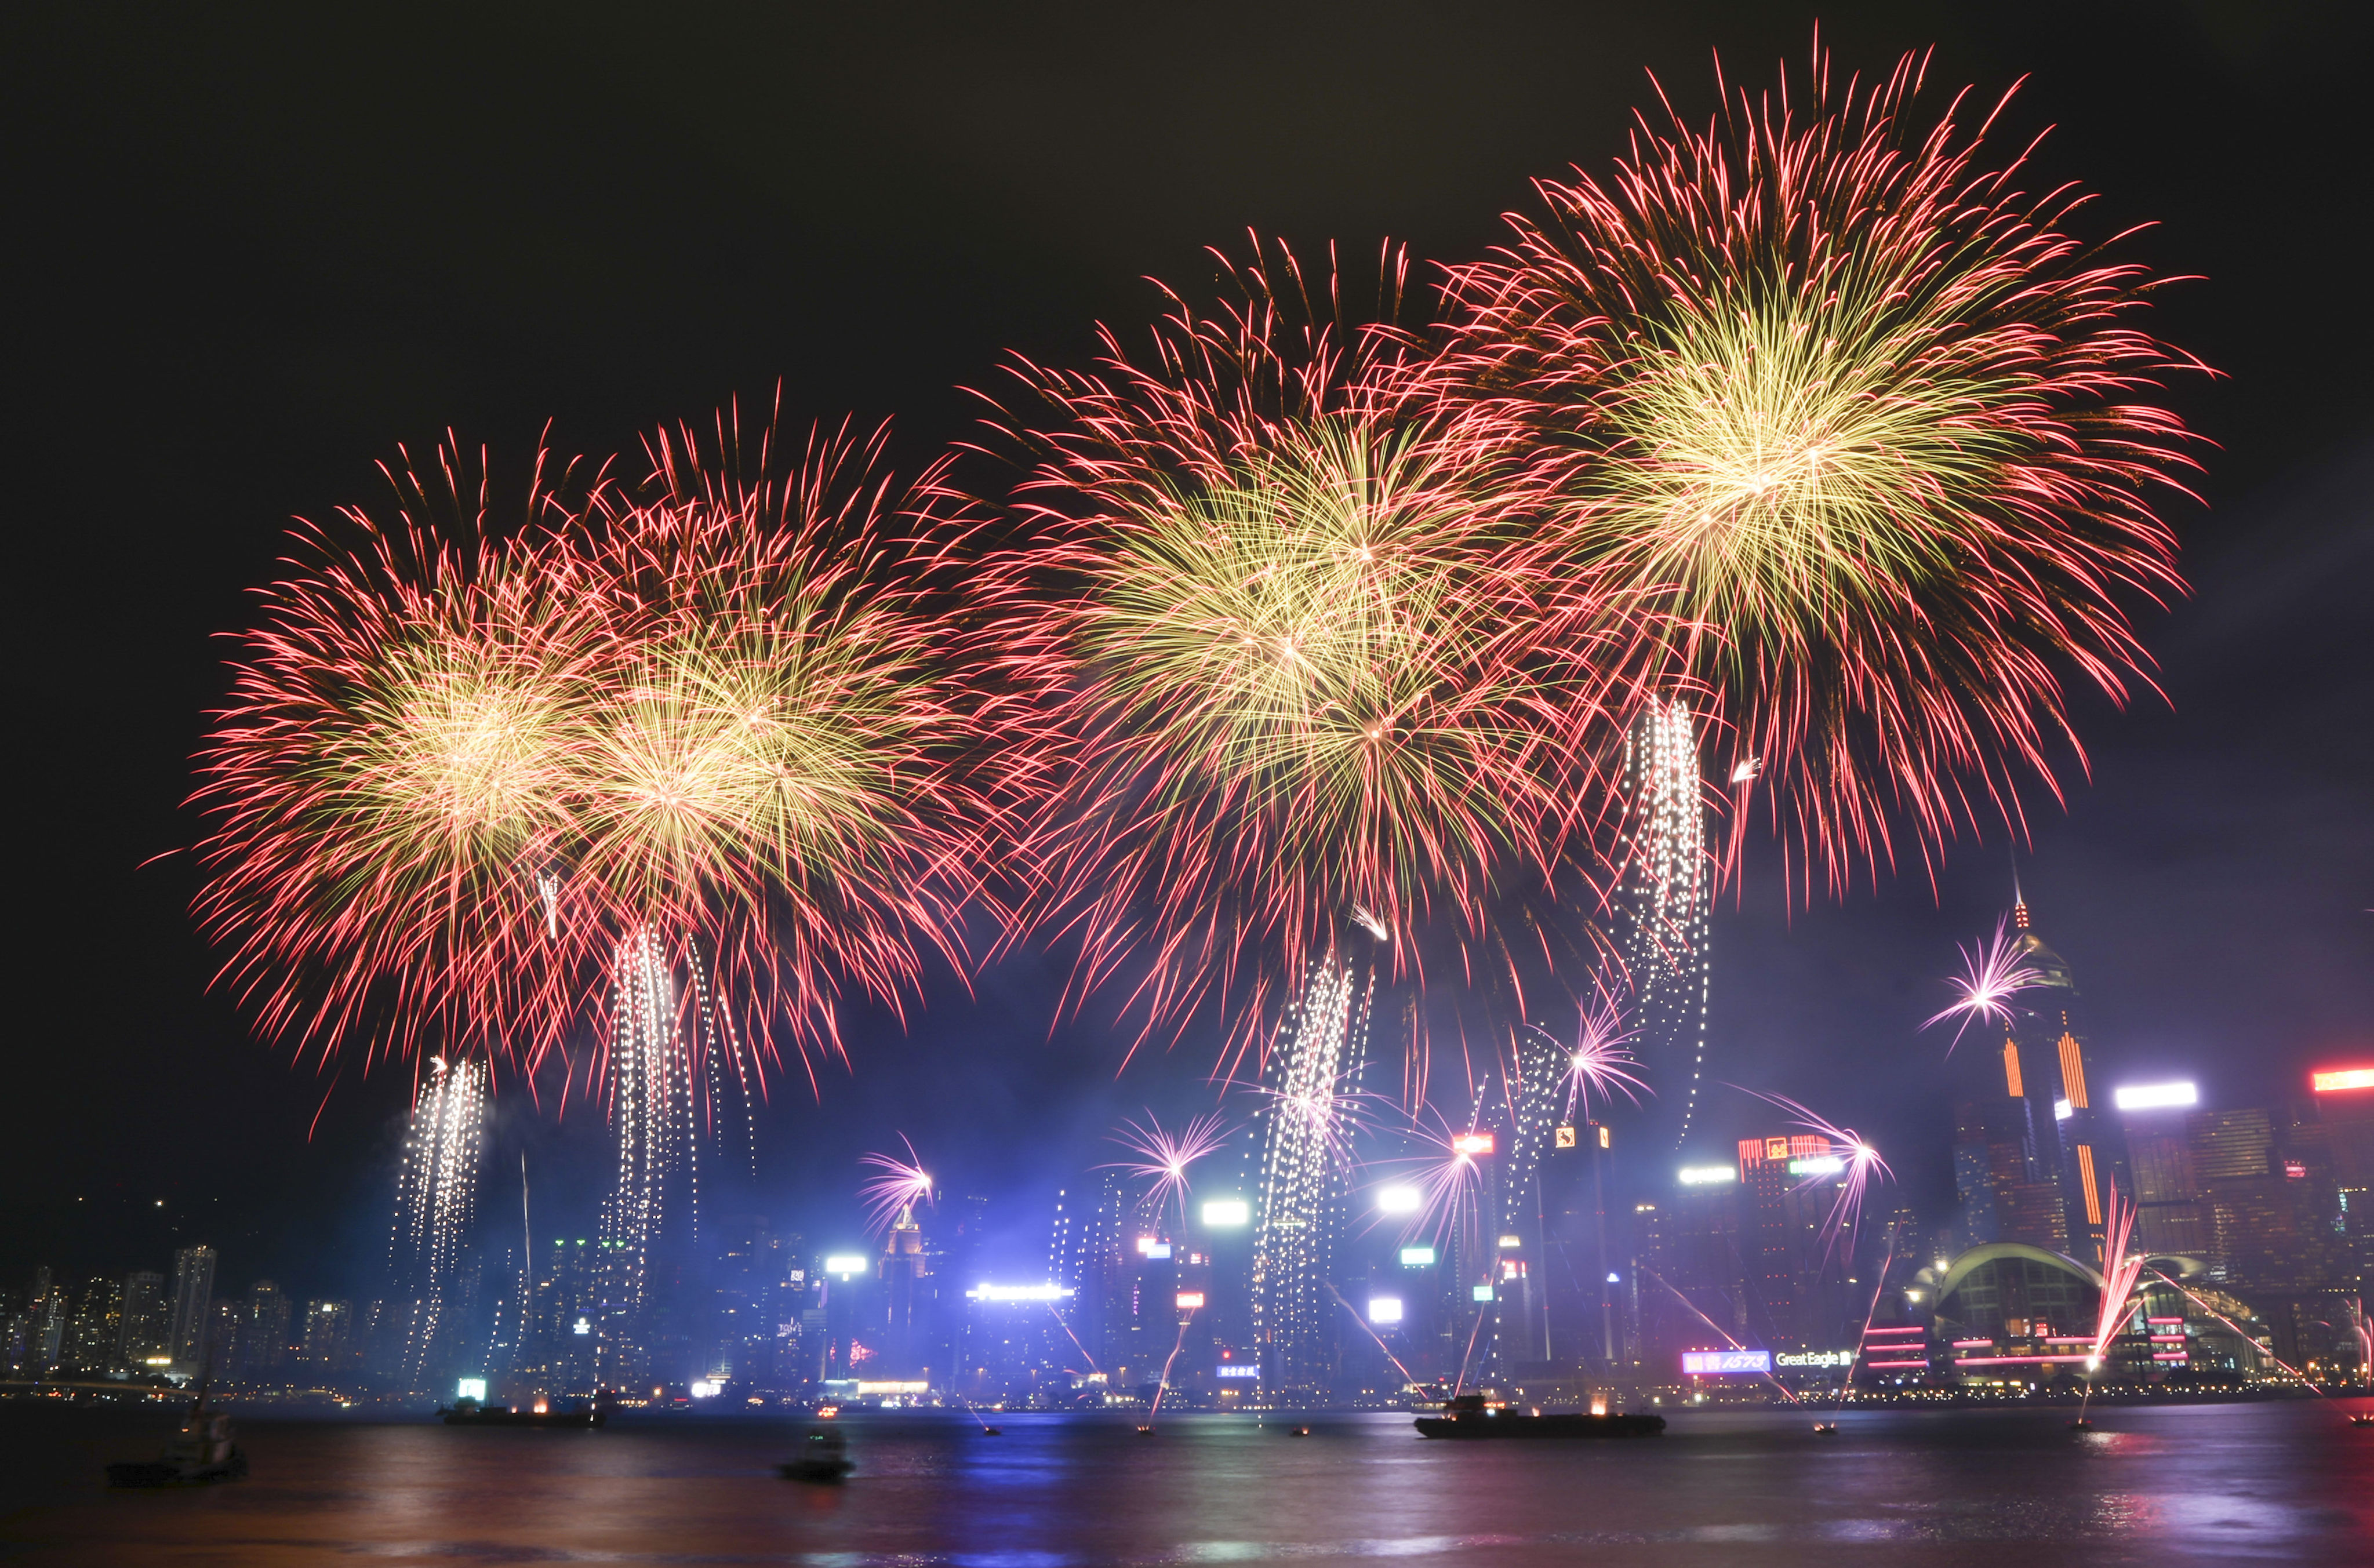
(1301, 1127)
(1691, 1267)
(327, 1337)
(94, 1326)
(147, 1322)
(1794, 1276)
(2274, 1220)
(436, 1201)
(194, 1289)
(2067, 1129)
(2168, 1219)
(2344, 1105)
(1533, 1108)
(904, 1275)
(1666, 895)
(263, 1334)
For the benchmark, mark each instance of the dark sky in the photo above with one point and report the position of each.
(250, 253)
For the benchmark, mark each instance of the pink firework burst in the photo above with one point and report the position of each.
(1601, 1061)
(1164, 1157)
(1858, 1162)
(1991, 975)
(901, 1186)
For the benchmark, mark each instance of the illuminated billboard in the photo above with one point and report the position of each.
(1483, 1293)
(705, 1388)
(1384, 1309)
(2343, 1078)
(471, 1388)
(1221, 1212)
(1400, 1201)
(1237, 1369)
(1149, 1247)
(1473, 1143)
(1190, 1300)
(1814, 1358)
(1724, 1364)
(1819, 1165)
(867, 1386)
(1565, 1138)
(1417, 1258)
(846, 1263)
(2155, 1097)
(1705, 1175)
(1019, 1293)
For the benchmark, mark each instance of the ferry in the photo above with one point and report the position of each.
(1475, 1415)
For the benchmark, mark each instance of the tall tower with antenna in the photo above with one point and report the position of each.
(1665, 900)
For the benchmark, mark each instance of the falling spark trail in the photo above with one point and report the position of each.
(1464, 1360)
(1074, 1338)
(1164, 1386)
(2245, 1337)
(1378, 1338)
(1873, 1311)
(1711, 1323)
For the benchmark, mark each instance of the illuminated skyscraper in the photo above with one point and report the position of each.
(436, 1200)
(1301, 1130)
(1666, 893)
(194, 1292)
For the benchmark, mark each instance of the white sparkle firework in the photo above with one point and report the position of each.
(436, 1197)
(1667, 894)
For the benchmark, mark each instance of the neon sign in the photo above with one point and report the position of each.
(1724, 1364)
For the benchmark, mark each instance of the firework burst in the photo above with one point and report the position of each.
(1600, 1061)
(1878, 428)
(1286, 635)
(1857, 1164)
(1991, 975)
(901, 1186)
(1164, 1157)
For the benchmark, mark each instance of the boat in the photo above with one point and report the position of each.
(824, 1458)
(470, 1412)
(2362, 1420)
(1825, 1429)
(200, 1454)
(1474, 1415)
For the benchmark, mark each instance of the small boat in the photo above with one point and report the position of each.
(470, 1412)
(823, 1457)
(200, 1454)
(2081, 1425)
(1473, 1415)
(1145, 1431)
(2362, 1420)
(1298, 1431)
(993, 1432)
(1825, 1429)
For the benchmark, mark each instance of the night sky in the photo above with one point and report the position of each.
(251, 255)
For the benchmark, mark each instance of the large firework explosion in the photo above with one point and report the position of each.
(1286, 633)
(457, 775)
(1872, 423)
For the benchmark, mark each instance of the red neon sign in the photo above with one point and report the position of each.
(2342, 1078)
(1473, 1143)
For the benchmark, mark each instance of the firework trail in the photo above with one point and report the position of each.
(2119, 1281)
(1867, 418)
(1991, 975)
(1667, 893)
(1286, 634)
(1367, 1329)
(1711, 1323)
(1074, 1338)
(1165, 1157)
(1163, 1386)
(436, 1200)
(901, 1186)
(2239, 1332)
(1857, 1163)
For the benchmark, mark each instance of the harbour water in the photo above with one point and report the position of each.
(2288, 1481)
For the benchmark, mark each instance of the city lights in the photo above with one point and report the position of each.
(1384, 1309)
(705, 1388)
(1225, 1214)
(1020, 1293)
(1707, 1176)
(1187, 1301)
(847, 1264)
(1400, 1201)
(1417, 1258)
(2155, 1097)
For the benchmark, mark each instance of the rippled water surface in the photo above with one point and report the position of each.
(2286, 1482)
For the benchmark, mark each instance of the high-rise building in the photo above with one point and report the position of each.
(2168, 1220)
(263, 1334)
(1087, 1256)
(193, 1290)
(327, 1337)
(904, 1274)
(1667, 888)
(147, 1321)
(1794, 1272)
(95, 1327)
(2344, 1105)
